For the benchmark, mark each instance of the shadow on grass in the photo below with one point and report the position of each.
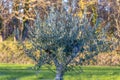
(25, 74)
(15, 74)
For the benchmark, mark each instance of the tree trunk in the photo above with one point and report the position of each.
(1, 38)
(59, 73)
(60, 69)
(16, 33)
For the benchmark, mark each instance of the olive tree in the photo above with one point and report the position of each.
(61, 37)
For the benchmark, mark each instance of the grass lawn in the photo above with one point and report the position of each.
(24, 72)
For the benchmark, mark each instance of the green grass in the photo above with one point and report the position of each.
(24, 72)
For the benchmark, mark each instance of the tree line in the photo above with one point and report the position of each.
(15, 13)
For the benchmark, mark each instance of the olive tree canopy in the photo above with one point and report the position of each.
(61, 37)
